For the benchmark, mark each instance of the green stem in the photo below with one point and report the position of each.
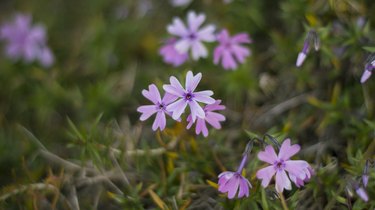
(283, 202)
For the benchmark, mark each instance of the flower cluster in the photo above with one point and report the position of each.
(26, 42)
(175, 101)
(190, 39)
(299, 171)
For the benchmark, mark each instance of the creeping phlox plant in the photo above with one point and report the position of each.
(175, 101)
(299, 171)
(191, 37)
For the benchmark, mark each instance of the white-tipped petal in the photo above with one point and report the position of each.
(300, 59)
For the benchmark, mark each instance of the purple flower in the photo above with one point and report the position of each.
(25, 41)
(312, 36)
(230, 50)
(298, 170)
(158, 107)
(362, 193)
(233, 182)
(368, 71)
(188, 96)
(211, 117)
(191, 37)
(171, 55)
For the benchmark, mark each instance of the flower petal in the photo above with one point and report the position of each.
(297, 168)
(195, 21)
(192, 81)
(160, 121)
(198, 50)
(214, 119)
(177, 108)
(182, 46)
(266, 174)
(365, 76)
(287, 150)
(152, 94)
(204, 97)
(282, 181)
(196, 110)
(146, 111)
(207, 33)
(177, 28)
(268, 155)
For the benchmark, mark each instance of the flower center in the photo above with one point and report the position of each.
(160, 106)
(279, 165)
(189, 96)
(192, 36)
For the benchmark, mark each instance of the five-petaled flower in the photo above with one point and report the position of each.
(188, 96)
(230, 50)
(211, 118)
(299, 170)
(158, 107)
(191, 37)
(171, 55)
(25, 41)
(233, 182)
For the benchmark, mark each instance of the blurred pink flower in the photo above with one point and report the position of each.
(191, 37)
(188, 96)
(158, 107)
(312, 37)
(299, 170)
(171, 55)
(230, 50)
(233, 182)
(211, 117)
(24, 41)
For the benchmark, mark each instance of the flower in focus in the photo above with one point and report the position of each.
(24, 41)
(230, 50)
(299, 170)
(211, 118)
(312, 37)
(233, 182)
(188, 96)
(158, 107)
(171, 55)
(191, 37)
(368, 71)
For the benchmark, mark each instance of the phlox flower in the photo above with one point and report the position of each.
(230, 51)
(26, 42)
(211, 118)
(171, 55)
(368, 71)
(298, 170)
(362, 193)
(191, 36)
(187, 96)
(312, 37)
(233, 182)
(159, 107)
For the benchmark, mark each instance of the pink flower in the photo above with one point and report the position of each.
(25, 41)
(298, 170)
(191, 37)
(158, 107)
(211, 117)
(188, 96)
(230, 50)
(171, 55)
(233, 182)
(368, 71)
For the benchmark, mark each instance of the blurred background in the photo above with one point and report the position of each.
(71, 138)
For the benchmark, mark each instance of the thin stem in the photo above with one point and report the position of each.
(283, 202)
